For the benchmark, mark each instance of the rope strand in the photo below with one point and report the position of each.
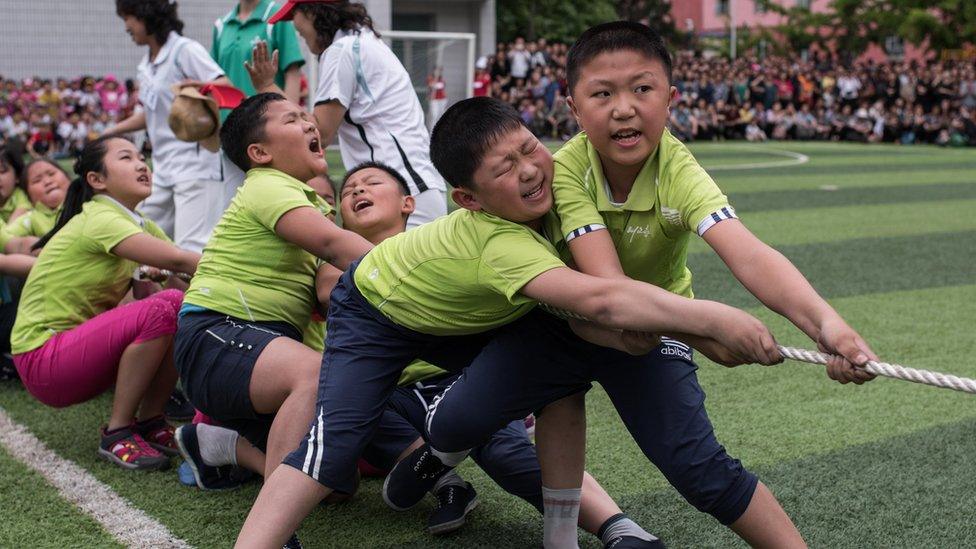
(896, 371)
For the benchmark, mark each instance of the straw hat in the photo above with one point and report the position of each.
(195, 115)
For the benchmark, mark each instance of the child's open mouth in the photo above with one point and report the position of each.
(315, 146)
(361, 205)
(627, 137)
(534, 193)
(143, 179)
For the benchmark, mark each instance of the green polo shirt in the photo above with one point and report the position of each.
(77, 277)
(234, 39)
(36, 222)
(672, 198)
(248, 271)
(18, 199)
(459, 274)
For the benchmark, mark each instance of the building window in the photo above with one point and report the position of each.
(722, 7)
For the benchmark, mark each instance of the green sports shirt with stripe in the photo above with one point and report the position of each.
(672, 198)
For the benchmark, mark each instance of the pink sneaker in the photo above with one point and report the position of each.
(125, 448)
(159, 434)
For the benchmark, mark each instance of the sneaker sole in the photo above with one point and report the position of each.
(165, 450)
(453, 525)
(386, 497)
(113, 459)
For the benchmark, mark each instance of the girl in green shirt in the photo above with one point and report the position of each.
(46, 183)
(13, 199)
(71, 340)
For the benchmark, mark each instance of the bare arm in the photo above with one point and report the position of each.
(293, 84)
(780, 286)
(20, 245)
(308, 228)
(134, 123)
(626, 304)
(146, 249)
(328, 117)
(18, 265)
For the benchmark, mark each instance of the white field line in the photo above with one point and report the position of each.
(795, 159)
(130, 526)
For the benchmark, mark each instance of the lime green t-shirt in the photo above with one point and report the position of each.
(18, 199)
(672, 198)
(37, 222)
(459, 274)
(233, 40)
(77, 277)
(249, 272)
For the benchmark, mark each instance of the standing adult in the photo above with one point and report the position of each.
(188, 195)
(364, 95)
(235, 34)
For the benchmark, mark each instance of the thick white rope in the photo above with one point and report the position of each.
(142, 273)
(896, 371)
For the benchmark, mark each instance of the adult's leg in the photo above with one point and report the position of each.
(198, 205)
(663, 406)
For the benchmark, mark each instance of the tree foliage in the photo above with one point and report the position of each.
(561, 20)
(849, 26)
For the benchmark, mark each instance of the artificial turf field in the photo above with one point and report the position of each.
(887, 234)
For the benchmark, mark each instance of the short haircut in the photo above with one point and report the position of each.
(401, 182)
(465, 132)
(615, 36)
(245, 126)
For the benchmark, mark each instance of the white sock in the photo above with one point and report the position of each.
(218, 446)
(621, 525)
(559, 518)
(451, 459)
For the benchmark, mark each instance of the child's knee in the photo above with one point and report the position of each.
(719, 486)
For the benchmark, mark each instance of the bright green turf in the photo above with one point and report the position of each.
(34, 514)
(883, 465)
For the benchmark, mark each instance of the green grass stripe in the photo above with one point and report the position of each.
(806, 226)
(876, 168)
(33, 513)
(849, 196)
(908, 491)
(744, 182)
(852, 267)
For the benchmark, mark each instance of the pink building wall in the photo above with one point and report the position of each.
(701, 17)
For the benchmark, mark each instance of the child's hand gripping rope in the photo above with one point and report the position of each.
(145, 272)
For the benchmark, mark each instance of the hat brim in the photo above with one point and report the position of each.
(286, 13)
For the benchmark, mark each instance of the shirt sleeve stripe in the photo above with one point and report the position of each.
(726, 212)
(583, 230)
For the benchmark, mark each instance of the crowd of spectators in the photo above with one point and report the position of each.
(56, 117)
(775, 98)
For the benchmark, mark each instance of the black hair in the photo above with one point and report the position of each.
(465, 132)
(401, 182)
(245, 126)
(13, 159)
(330, 17)
(91, 159)
(615, 36)
(159, 16)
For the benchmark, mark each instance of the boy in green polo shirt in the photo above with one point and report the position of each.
(444, 293)
(238, 348)
(235, 34)
(629, 196)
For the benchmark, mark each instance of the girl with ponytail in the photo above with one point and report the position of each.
(71, 342)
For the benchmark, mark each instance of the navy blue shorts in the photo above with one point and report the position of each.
(215, 356)
(534, 360)
(508, 457)
(365, 352)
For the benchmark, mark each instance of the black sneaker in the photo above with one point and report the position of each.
(178, 408)
(454, 502)
(207, 477)
(293, 542)
(8, 372)
(412, 477)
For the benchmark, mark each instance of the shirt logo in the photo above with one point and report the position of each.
(671, 215)
(373, 274)
(633, 232)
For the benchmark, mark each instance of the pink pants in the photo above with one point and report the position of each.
(82, 363)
